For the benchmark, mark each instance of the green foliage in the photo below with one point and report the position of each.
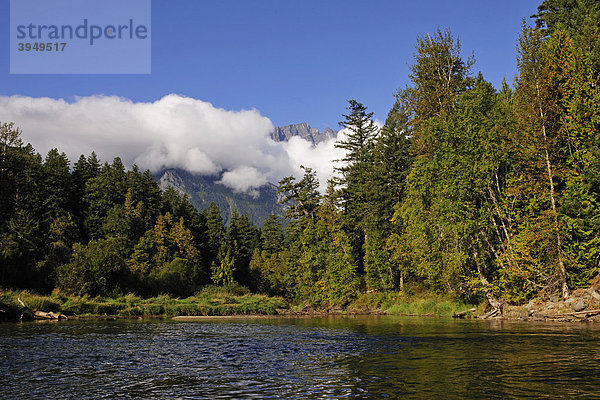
(272, 273)
(56, 186)
(241, 239)
(165, 259)
(327, 274)
(227, 300)
(95, 269)
(355, 170)
(224, 268)
(401, 303)
(438, 75)
(271, 235)
(301, 199)
(446, 209)
(580, 18)
(102, 193)
(178, 277)
(465, 191)
(215, 231)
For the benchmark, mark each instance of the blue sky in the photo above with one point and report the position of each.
(293, 61)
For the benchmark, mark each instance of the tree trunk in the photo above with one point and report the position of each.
(494, 302)
(562, 273)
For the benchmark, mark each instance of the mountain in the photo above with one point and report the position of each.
(313, 135)
(204, 189)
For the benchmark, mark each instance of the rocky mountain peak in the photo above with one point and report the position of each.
(304, 131)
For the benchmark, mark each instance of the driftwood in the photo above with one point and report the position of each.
(577, 314)
(490, 314)
(48, 315)
(42, 314)
(462, 314)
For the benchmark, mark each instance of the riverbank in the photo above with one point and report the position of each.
(216, 301)
(23, 305)
(583, 305)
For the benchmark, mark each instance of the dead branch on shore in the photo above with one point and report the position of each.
(490, 314)
(576, 314)
(42, 314)
(463, 314)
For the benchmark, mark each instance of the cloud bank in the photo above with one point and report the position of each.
(173, 132)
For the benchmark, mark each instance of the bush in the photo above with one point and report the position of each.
(95, 269)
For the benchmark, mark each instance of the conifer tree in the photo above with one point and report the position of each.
(102, 193)
(215, 230)
(57, 184)
(272, 235)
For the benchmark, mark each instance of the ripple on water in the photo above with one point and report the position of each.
(302, 358)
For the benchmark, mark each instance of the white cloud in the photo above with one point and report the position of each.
(174, 131)
(321, 158)
(243, 179)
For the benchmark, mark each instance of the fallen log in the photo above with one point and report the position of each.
(48, 315)
(577, 314)
(490, 314)
(42, 314)
(462, 314)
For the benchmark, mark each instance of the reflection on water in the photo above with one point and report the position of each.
(364, 357)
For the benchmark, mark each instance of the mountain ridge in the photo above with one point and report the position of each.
(202, 189)
(304, 131)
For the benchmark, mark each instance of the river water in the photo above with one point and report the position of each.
(299, 358)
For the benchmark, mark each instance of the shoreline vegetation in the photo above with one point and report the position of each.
(22, 305)
(212, 301)
(237, 302)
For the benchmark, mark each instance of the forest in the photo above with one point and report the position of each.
(478, 192)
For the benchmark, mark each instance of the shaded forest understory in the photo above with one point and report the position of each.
(466, 191)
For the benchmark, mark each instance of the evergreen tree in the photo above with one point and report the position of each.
(165, 259)
(272, 236)
(215, 231)
(579, 18)
(126, 222)
(57, 185)
(102, 193)
(83, 170)
(10, 144)
(327, 274)
(22, 233)
(223, 269)
(241, 239)
(143, 188)
(300, 198)
(356, 167)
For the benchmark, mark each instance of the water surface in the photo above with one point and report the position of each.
(303, 358)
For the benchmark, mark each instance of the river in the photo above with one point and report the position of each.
(299, 358)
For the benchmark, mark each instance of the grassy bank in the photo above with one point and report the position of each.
(398, 303)
(218, 301)
(233, 300)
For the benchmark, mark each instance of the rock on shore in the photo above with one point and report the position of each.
(581, 305)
